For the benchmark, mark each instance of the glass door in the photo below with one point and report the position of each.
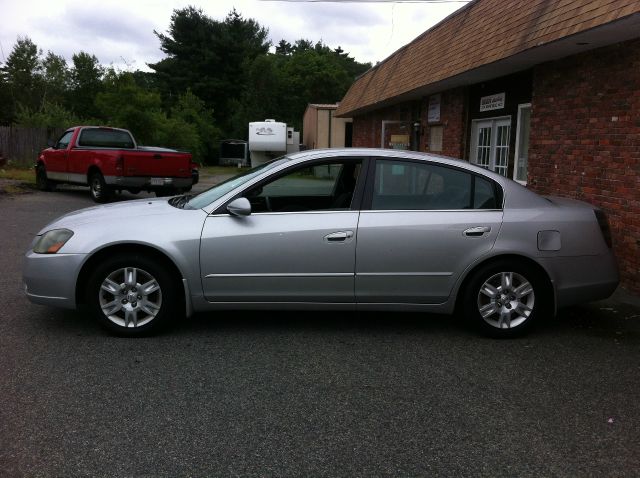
(490, 144)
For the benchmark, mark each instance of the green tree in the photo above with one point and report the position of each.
(22, 77)
(48, 115)
(124, 104)
(56, 79)
(282, 85)
(209, 57)
(191, 110)
(86, 84)
(284, 48)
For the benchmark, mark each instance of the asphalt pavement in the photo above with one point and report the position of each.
(308, 394)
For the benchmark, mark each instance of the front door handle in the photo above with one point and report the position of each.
(340, 236)
(477, 231)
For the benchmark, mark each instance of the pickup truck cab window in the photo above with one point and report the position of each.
(64, 140)
(105, 138)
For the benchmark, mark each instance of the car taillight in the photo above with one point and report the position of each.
(604, 226)
(194, 166)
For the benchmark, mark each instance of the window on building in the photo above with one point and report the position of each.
(435, 138)
(490, 144)
(522, 143)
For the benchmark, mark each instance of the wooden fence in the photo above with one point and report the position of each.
(21, 145)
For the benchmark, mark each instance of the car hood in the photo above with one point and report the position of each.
(109, 213)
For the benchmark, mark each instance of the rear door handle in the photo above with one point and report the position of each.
(477, 231)
(340, 236)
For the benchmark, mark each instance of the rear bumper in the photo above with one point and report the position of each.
(582, 279)
(144, 182)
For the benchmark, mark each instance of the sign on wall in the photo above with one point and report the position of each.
(492, 102)
(399, 141)
(433, 112)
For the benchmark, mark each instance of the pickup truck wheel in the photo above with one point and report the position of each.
(99, 190)
(132, 295)
(42, 181)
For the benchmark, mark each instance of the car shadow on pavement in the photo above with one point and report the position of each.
(602, 320)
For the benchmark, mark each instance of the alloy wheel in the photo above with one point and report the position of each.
(506, 300)
(130, 297)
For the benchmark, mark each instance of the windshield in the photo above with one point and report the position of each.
(216, 192)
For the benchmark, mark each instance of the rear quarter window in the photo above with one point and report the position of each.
(105, 138)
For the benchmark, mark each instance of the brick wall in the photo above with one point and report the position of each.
(452, 120)
(585, 140)
(367, 127)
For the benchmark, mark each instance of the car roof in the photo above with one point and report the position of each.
(391, 154)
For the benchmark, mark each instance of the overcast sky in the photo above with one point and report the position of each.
(120, 32)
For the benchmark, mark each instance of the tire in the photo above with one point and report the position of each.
(132, 295)
(43, 183)
(99, 190)
(505, 298)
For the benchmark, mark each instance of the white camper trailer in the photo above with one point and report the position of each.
(269, 139)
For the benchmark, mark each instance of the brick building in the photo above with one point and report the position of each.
(545, 92)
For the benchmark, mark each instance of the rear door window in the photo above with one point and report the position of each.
(412, 185)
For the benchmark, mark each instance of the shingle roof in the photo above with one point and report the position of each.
(482, 32)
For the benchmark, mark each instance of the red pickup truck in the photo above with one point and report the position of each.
(108, 160)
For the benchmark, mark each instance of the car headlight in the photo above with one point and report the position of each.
(51, 241)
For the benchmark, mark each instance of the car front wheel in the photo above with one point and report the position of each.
(505, 298)
(131, 295)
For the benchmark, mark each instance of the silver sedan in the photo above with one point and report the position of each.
(352, 229)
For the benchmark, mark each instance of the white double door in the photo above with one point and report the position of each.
(490, 144)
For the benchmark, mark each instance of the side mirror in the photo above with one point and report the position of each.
(51, 143)
(239, 207)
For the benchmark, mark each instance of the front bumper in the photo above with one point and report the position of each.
(50, 279)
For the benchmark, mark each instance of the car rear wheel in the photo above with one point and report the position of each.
(505, 298)
(132, 295)
(99, 190)
(43, 183)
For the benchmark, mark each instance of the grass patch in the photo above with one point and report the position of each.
(26, 175)
(216, 170)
